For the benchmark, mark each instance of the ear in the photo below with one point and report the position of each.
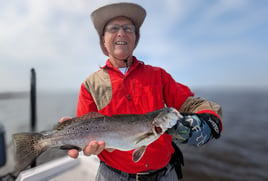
(137, 34)
(103, 40)
(103, 43)
(103, 48)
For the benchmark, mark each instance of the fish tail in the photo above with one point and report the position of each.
(27, 149)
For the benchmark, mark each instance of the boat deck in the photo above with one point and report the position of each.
(64, 168)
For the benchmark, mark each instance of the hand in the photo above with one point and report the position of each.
(180, 133)
(93, 148)
(192, 130)
(200, 131)
(185, 128)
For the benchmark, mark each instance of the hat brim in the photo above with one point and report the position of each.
(100, 17)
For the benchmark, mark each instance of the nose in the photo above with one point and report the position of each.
(121, 32)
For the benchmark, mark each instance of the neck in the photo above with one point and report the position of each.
(120, 63)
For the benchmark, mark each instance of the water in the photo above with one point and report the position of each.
(15, 116)
(240, 153)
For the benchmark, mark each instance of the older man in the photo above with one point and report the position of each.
(126, 85)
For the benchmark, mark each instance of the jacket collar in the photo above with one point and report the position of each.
(135, 63)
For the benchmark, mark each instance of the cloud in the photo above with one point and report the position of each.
(59, 40)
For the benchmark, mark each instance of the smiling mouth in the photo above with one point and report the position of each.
(121, 43)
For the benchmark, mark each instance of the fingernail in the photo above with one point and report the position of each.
(94, 144)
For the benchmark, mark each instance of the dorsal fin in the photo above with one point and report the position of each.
(90, 115)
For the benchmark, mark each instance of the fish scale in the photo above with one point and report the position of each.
(123, 132)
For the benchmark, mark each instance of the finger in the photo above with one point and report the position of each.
(94, 148)
(91, 148)
(73, 153)
(100, 148)
(110, 149)
(64, 119)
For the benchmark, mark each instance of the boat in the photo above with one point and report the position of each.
(64, 168)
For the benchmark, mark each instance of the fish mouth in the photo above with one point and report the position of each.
(158, 130)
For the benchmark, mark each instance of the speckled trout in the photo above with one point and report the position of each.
(123, 132)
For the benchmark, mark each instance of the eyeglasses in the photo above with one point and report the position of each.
(114, 28)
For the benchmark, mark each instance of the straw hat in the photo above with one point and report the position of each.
(101, 16)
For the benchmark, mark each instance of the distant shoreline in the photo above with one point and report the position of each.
(13, 95)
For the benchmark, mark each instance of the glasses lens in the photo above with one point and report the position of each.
(114, 28)
(129, 28)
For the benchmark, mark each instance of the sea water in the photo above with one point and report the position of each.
(239, 154)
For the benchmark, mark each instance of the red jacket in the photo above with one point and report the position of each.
(143, 89)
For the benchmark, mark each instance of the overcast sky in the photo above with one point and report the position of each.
(204, 44)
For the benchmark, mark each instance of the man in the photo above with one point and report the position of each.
(126, 85)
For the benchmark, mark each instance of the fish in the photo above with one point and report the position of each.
(124, 132)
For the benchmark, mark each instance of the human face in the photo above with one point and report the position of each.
(119, 44)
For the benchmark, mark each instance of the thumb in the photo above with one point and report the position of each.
(64, 119)
(110, 149)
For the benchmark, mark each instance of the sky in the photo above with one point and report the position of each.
(203, 44)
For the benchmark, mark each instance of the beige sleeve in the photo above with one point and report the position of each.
(196, 104)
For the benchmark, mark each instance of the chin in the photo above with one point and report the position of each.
(122, 55)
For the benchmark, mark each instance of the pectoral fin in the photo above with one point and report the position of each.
(143, 137)
(138, 153)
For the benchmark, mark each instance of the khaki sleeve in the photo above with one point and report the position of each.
(196, 104)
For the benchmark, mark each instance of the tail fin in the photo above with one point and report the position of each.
(26, 149)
